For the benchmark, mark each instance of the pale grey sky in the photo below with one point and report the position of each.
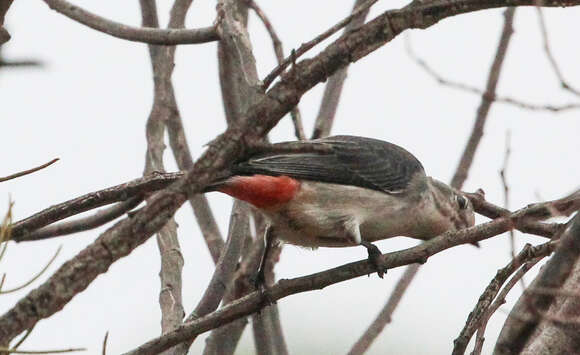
(89, 103)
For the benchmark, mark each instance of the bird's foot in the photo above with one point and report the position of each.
(375, 258)
(259, 282)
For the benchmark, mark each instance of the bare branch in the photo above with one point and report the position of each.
(170, 296)
(560, 272)
(482, 111)
(500, 300)
(563, 82)
(225, 268)
(310, 44)
(279, 52)
(481, 312)
(29, 171)
(23, 339)
(253, 302)
(506, 196)
(474, 90)
(104, 351)
(86, 223)
(137, 187)
(135, 34)
(333, 88)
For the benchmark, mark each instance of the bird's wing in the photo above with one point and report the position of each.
(352, 160)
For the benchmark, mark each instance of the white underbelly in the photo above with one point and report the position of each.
(316, 216)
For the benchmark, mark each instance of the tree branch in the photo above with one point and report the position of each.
(279, 52)
(481, 312)
(474, 90)
(483, 109)
(135, 34)
(254, 301)
(21, 230)
(333, 88)
(305, 47)
(86, 223)
(29, 171)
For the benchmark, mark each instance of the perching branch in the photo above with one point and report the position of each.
(135, 34)
(285, 287)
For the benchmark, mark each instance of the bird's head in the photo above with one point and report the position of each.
(453, 205)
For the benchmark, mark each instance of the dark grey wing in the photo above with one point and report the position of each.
(358, 161)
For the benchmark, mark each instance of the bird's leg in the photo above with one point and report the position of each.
(352, 229)
(375, 257)
(260, 279)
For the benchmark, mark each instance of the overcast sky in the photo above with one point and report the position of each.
(89, 102)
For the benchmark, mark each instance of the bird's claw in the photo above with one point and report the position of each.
(375, 258)
(259, 283)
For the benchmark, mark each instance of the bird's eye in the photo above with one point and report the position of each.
(461, 201)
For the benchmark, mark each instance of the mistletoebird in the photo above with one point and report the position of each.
(355, 192)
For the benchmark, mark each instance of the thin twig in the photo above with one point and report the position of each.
(29, 171)
(85, 223)
(279, 52)
(22, 63)
(136, 34)
(477, 316)
(483, 110)
(506, 201)
(35, 277)
(104, 351)
(310, 44)
(474, 90)
(563, 82)
(499, 301)
(118, 193)
(226, 266)
(23, 339)
(5, 234)
(333, 88)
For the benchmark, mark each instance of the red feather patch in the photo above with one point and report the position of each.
(262, 191)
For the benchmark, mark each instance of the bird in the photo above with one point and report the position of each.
(354, 192)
